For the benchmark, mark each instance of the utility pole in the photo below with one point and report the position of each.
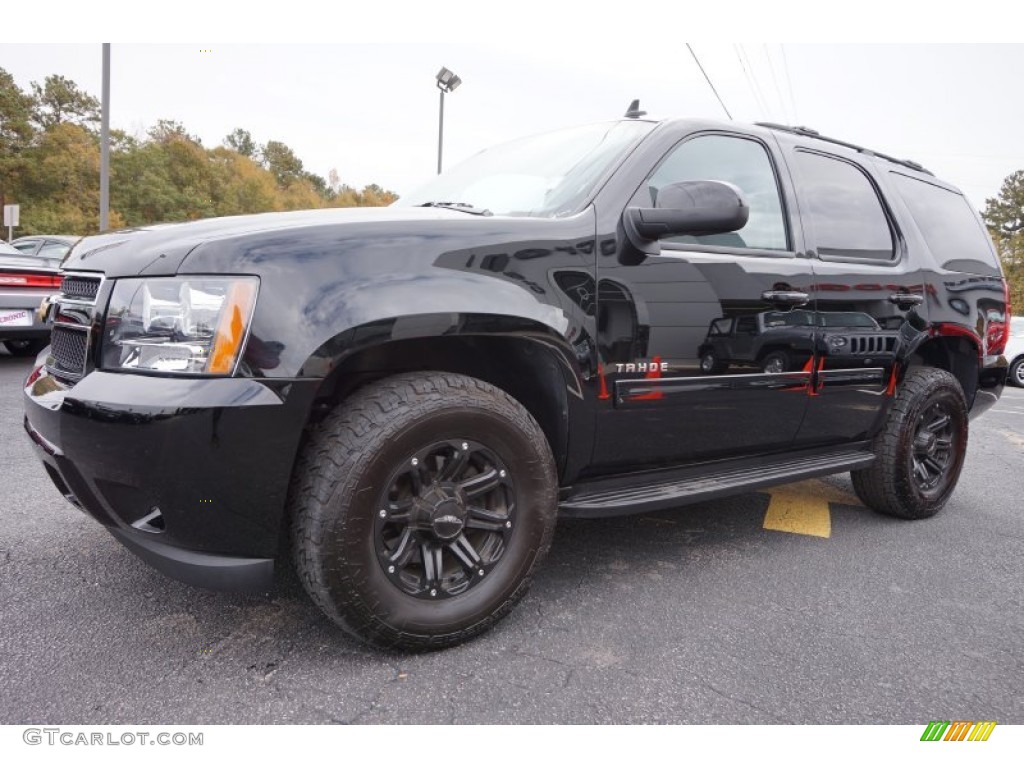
(105, 144)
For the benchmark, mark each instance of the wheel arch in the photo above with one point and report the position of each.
(524, 358)
(956, 354)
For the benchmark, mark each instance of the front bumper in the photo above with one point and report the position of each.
(190, 474)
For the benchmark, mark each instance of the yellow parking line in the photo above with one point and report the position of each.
(803, 507)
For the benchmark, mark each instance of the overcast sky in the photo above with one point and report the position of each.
(370, 110)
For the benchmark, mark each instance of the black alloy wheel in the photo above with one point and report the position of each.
(933, 457)
(445, 519)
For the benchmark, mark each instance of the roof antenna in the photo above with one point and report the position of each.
(634, 109)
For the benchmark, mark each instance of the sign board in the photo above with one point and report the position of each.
(11, 215)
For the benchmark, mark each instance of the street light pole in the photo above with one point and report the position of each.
(447, 81)
(440, 131)
(105, 144)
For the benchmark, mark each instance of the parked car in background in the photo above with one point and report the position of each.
(24, 282)
(1015, 351)
(49, 247)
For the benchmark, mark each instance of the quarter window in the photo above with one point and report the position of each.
(743, 162)
(846, 216)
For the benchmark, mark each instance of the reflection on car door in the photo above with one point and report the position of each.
(865, 324)
(657, 319)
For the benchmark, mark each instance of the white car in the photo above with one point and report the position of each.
(1015, 351)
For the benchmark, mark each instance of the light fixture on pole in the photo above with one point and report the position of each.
(447, 81)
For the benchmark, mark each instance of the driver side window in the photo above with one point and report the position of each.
(743, 162)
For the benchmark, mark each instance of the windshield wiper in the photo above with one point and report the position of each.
(464, 207)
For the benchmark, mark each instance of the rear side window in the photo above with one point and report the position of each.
(846, 216)
(954, 234)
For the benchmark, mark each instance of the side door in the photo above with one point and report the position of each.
(657, 319)
(868, 292)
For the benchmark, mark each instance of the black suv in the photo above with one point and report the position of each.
(403, 400)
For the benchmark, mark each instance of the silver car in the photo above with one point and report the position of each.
(1015, 351)
(24, 282)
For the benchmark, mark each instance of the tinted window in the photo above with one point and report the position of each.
(846, 216)
(746, 324)
(742, 162)
(949, 225)
(847, 320)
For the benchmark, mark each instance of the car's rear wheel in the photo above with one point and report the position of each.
(711, 365)
(25, 347)
(921, 449)
(420, 508)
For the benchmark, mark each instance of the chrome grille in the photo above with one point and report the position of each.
(68, 351)
(79, 287)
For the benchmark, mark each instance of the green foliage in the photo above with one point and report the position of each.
(49, 164)
(1004, 216)
(241, 141)
(60, 100)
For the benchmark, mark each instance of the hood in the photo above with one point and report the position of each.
(160, 249)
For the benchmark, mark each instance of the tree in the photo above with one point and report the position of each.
(241, 141)
(60, 100)
(280, 160)
(1004, 216)
(16, 133)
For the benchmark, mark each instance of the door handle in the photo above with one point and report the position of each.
(905, 301)
(786, 298)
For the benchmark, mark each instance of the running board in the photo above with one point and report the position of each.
(709, 484)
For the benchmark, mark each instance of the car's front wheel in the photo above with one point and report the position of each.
(1017, 372)
(420, 508)
(920, 452)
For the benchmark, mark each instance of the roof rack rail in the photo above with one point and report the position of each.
(801, 130)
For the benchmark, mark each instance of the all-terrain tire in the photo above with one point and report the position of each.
(343, 500)
(920, 450)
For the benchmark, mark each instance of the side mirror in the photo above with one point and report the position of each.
(683, 208)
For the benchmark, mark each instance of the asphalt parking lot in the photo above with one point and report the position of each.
(701, 615)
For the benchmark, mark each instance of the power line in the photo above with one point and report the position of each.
(754, 89)
(775, 80)
(789, 82)
(713, 89)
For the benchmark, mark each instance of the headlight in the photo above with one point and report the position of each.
(187, 325)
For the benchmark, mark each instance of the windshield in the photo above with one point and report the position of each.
(847, 320)
(552, 174)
